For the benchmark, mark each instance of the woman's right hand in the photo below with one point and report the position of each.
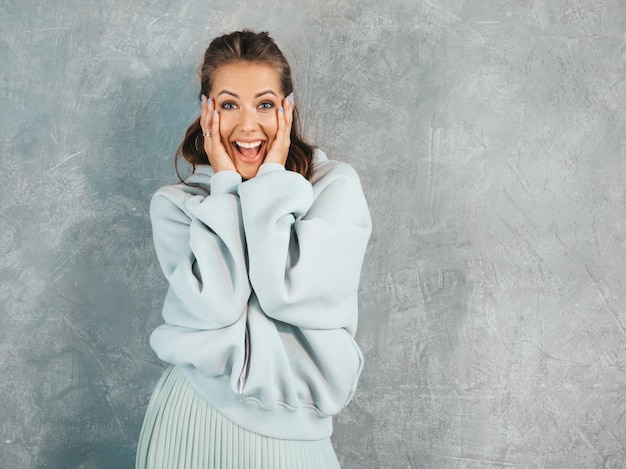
(210, 122)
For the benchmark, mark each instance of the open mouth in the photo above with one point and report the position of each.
(249, 152)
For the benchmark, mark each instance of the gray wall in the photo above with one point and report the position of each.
(490, 137)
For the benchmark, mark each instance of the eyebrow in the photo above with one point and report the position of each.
(258, 95)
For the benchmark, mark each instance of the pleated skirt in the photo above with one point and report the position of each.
(181, 430)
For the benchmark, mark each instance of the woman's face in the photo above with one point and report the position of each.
(247, 97)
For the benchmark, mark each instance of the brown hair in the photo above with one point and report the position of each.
(246, 46)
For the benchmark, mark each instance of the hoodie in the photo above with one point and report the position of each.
(261, 309)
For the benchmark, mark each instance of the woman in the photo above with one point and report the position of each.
(262, 246)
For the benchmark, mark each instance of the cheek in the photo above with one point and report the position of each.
(269, 122)
(227, 125)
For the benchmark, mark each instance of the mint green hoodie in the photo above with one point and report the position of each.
(262, 306)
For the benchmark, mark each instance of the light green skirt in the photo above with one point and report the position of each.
(181, 430)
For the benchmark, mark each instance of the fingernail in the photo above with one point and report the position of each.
(281, 109)
(293, 98)
(202, 99)
(214, 113)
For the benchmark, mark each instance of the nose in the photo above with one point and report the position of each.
(248, 121)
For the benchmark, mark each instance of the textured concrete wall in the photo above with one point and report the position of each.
(490, 136)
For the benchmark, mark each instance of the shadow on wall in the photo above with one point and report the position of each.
(96, 386)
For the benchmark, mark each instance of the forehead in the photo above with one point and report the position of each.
(245, 78)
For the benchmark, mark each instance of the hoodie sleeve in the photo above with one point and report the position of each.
(200, 245)
(306, 243)
(201, 248)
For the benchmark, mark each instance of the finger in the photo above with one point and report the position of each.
(211, 142)
(220, 159)
(215, 125)
(205, 114)
(285, 119)
(209, 116)
(280, 146)
(289, 109)
(280, 117)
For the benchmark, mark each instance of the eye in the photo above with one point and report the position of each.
(266, 105)
(228, 105)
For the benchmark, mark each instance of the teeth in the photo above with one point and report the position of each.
(249, 145)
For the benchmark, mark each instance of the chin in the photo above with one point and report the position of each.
(248, 173)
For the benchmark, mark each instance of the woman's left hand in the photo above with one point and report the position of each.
(280, 146)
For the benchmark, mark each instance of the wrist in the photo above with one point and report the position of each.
(225, 181)
(219, 166)
(270, 166)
